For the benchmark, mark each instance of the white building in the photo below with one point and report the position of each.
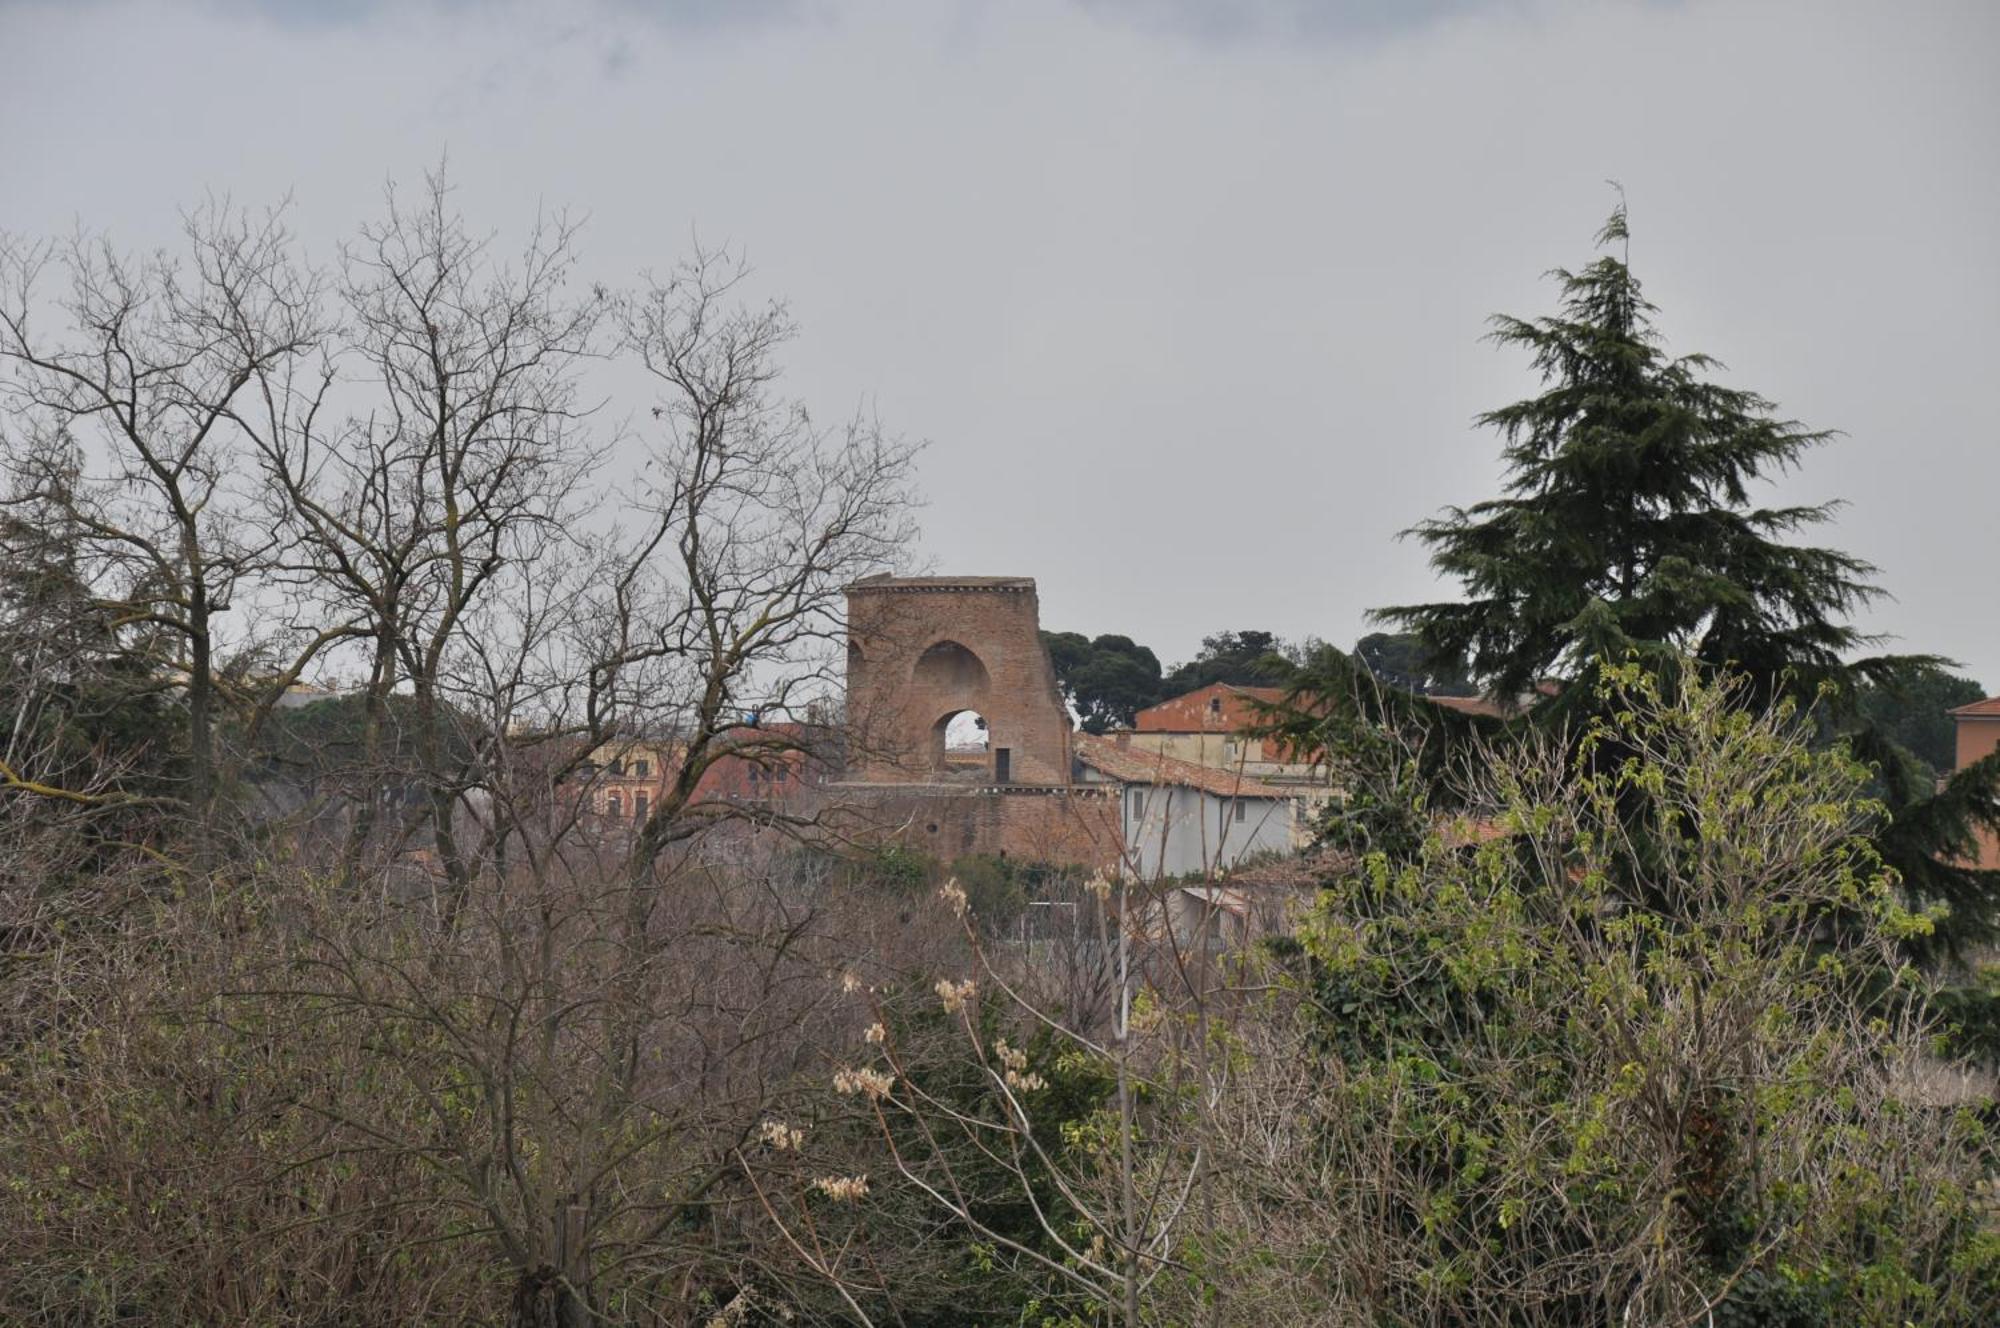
(1181, 819)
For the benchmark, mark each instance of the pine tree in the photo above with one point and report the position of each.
(1107, 680)
(1627, 529)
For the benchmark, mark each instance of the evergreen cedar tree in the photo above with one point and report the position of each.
(1400, 660)
(1627, 531)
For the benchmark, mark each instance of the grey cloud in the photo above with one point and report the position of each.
(1234, 20)
(1187, 296)
(327, 14)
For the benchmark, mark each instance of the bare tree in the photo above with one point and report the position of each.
(459, 463)
(755, 520)
(594, 1027)
(147, 375)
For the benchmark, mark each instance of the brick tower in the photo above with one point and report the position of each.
(924, 649)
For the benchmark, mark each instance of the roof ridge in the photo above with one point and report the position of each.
(1122, 762)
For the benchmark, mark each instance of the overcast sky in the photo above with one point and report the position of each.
(1186, 296)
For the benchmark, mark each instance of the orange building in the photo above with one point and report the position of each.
(1978, 728)
(770, 765)
(1217, 708)
(1214, 726)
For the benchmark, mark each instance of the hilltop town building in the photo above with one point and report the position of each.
(770, 767)
(1978, 736)
(1213, 725)
(1178, 818)
(933, 657)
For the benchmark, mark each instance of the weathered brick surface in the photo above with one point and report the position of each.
(922, 649)
(1077, 825)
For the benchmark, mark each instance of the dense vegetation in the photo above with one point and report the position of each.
(1631, 528)
(1109, 679)
(357, 1008)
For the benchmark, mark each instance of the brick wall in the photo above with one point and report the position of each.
(924, 648)
(1075, 826)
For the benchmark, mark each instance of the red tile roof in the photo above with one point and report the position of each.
(1472, 705)
(1299, 871)
(1135, 767)
(1987, 709)
(1220, 707)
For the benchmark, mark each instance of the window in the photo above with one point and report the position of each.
(639, 769)
(1138, 803)
(779, 774)
(1214, 705)
(1003, 765)
(1229, 749)
(1242, 810)
(614, 806)
(618, 765)
(639, 804)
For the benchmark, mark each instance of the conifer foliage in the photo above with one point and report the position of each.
(1627, 524)
(1629, 529)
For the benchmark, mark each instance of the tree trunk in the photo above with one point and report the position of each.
(543, 1298)
(371, 777)
(442, 778)
(201, 727)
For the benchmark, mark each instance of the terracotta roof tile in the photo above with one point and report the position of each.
(1220, 707)
(1134, 767)
(1472, 705)
(1987, 709)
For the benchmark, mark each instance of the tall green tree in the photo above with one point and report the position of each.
(1629, 528)
(1627, 524)
(1244, 659)
(81, 707)
(1108, 679)
(1399, 659)
(1915, 711)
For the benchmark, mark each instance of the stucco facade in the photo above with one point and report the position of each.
(1172, 830)
(1977, 737)
(1212, 726)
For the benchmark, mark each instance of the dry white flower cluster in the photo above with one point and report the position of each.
(954, 994)
(954, 895)
(782, 1136)
(1014, 1062)
(876, 1033)
(849, 984)
(843, 1189)
(1100, 885)
(871, 1082)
